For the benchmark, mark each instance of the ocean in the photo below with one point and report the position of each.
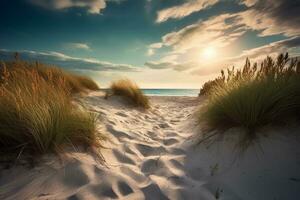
(171, 92)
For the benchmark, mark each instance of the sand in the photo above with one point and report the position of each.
(153, 155)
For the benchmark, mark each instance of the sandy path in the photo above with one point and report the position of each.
(151, 155)
(148, 151)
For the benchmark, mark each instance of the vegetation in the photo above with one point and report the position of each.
(74, 82)
(36, 110)
(131, 92)
(254, 96)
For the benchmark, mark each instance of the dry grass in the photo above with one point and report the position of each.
(74, 82)
(131, 92)
(36, 110)
(253, 97)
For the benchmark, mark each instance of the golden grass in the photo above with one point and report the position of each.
(74, 82)
(253, 97)
(36, 110)
(131, 92)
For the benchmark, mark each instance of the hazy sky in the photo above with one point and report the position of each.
(157, 43)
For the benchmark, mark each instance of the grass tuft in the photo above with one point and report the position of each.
(253, 97)
(36, 110)
(74, 82)
(131, 92)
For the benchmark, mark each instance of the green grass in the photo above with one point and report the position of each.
(130, 91)
(253, 97)
(37, 114)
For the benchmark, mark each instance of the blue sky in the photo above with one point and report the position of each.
(157, 43)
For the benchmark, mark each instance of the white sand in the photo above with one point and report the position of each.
(151, 155)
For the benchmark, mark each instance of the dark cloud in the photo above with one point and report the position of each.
(272, 16)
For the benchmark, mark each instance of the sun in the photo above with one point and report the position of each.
(209, 53)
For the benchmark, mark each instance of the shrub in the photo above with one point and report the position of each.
(252, 97)
(36, 111)
(131, 92)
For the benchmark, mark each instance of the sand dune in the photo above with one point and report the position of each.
(152, 155)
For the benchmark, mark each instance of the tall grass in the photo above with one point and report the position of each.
(74, 82)
(254, 96)
(36, 110)
(131, 92)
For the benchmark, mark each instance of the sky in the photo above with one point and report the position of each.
(156, 43)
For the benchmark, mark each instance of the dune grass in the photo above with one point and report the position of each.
(131, 92)
(253, 97)
(37, 114)
(74, 82)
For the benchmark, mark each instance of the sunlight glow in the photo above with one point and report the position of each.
(209, 53)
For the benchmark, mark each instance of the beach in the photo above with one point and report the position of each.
(156, 154)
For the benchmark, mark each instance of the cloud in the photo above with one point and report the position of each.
(217, 31)
(93, 6)
(152, 47)
(183, 10)
(78, 46)
(150, 52)
(68, 62)
(267, 17)
(170, 65)
(291, 45)
(273, 49)
(272, 17)
(156, 45)
(249, 2)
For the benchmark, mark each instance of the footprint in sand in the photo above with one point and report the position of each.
(121, 157)
(170, 141)
(164, 125)
(171, 134)
(134, 175)
(103, 190)
(152, 191)
(154, 166)
(75, 175)
(124, 188)
(74, 197)
(121, 114)
(118, 134)
(146, 150)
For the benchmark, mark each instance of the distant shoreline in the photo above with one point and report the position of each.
(169, 92)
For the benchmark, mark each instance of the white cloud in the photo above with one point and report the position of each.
(68, 62)
(150, 52)
(249, 2)
(282, 46)
(78, 46)
(155, 45)
(93, 6)
(217, 31)
(291, 45)
(170, 65)
(267, 17)
(152, 47)
(183, 10)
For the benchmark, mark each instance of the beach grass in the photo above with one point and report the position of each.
(76, 83)
(254, 96)
(37, 113)
(131, 92)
